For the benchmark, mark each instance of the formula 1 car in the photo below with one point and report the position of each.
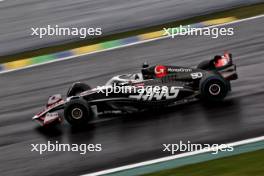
(156, 86)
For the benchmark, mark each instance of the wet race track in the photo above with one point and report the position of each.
(131, 139)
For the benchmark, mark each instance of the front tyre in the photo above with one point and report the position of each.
(77, 112)
(213, 88)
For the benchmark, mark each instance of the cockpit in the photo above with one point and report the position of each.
(126, 78)
(146, 73)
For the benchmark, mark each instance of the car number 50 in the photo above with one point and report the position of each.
(196, 75)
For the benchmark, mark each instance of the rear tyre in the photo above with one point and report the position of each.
(77, 88)
(213, 88)
(77, 112)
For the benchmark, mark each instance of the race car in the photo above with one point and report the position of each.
(156, 86)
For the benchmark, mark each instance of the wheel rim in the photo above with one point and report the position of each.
(214, 89)
(76, 113)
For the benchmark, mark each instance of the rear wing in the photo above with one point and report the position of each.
(225, 66)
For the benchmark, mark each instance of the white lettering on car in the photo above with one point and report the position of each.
(179, 69)
(196, 75)
(157, 95)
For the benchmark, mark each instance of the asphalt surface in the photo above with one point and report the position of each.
(18, 17)
(131, 139)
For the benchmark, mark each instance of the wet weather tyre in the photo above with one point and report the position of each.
(213, 88)
(77, 112)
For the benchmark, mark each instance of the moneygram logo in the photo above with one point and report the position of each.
(160, 71)
(179, 69)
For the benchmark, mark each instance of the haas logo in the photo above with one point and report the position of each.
(164, 94)
(160, 71)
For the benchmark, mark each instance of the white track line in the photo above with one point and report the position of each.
(131, 166)
(123, 46)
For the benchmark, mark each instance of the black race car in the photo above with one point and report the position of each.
(156, 86)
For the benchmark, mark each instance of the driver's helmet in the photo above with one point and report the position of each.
(146, 73)
(145, 65)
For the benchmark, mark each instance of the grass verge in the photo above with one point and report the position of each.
(247, 164)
